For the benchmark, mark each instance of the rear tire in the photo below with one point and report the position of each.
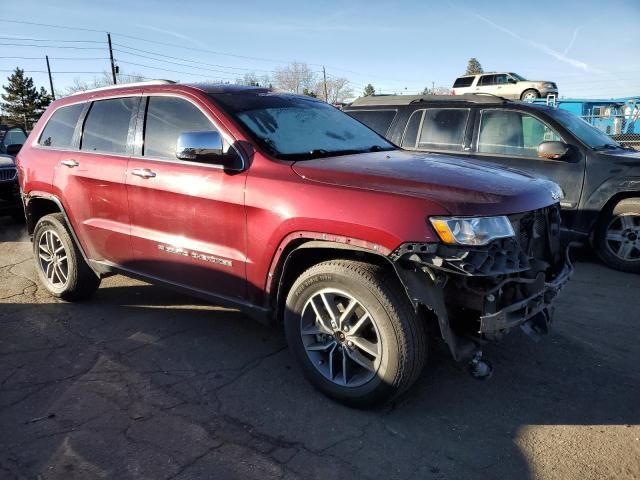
(529, 94)
(617, 236)
(59, 263)
(370, 348)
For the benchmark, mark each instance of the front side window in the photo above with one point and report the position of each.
(291, 127)
(377, 120)
(107, 126)
(443, 129)
(167, 118)
(507, 132)
(58, 132)
(500, 79)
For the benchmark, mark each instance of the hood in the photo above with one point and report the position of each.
(630, 158)
(462, 187)
(7, 161)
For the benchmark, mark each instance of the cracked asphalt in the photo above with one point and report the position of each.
(142, 382)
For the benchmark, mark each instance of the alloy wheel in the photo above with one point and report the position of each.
(623, 237)
(341, 338)
(52, 259)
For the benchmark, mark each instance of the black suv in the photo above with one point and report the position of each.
(599, 177)
(11, 139)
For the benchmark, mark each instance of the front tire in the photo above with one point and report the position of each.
(59, 263)
(529, 94)
(617, 236)
(354, 332)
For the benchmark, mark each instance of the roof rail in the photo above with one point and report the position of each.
(124, 85)
(393, 100)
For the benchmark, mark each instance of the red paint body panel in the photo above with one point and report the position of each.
(241, 222)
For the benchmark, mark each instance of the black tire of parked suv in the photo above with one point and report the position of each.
(529, 91)
(402, 336)
(81, 281)
(627, 207)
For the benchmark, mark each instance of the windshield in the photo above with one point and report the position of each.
(297, 128)
(14, 136)
(517, 77)
(586, 133)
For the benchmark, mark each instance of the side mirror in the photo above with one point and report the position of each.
(206, 147)
(13, 149)
(553, 150)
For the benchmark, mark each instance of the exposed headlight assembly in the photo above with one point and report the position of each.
(471, 230)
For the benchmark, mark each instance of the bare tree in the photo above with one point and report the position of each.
(102, 81)
(251, 79)
(338, 90)
(294, 78)
(437, 90)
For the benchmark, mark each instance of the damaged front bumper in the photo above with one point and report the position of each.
(479, 293)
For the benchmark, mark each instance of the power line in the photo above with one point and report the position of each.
(49, 46)
(169, 70)
(56, 58)
(48, 40)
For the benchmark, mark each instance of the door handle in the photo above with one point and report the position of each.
(143, 172)
(69, 163)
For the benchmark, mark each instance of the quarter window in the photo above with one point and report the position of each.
(443, 129)
(107, 126)
(167, 118)
(377, 120)
(58, 132)
(512, 133)
(462, 82)
(487, 80)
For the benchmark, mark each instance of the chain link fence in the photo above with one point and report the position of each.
(621, 127)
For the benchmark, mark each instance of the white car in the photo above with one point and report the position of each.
(507, 85)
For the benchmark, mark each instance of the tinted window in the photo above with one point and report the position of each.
(512, 133)
(58, 132)
(377, 120)
(500, 79)
(487, 80)
(443, 129)
(167, 118)
(463, 82)
(107, 125)
(411, 131)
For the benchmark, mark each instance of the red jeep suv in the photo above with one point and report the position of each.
(289, 209)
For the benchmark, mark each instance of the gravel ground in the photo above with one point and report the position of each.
(141, 382)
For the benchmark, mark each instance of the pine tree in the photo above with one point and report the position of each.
(369, 90)
(473, 67)
(44, 100)
(21, 100)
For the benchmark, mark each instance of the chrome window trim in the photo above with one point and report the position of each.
(476, 139)
(404, 133)
(424, 110)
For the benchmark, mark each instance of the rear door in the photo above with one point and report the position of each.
(91, 180)
(187, 218)
(511, 138)
(486, 84)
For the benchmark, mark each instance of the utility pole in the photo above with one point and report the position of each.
(53, 94)
(324, 76)
(113, 65)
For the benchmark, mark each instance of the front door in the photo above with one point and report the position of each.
(511, 138)
(187, 219)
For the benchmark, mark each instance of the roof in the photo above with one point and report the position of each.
(227, 88)
(392, 100)
(124, 85)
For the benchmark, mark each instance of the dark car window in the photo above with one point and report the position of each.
(13, 136)
(167, 118)
(500, 79)
(487, 80)
(410, 137)
(377, 120)
(443, 129)
(463, 82)
(58, 132)
(507, 132)
(107, 126)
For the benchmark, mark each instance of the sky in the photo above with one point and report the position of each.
(589, 48)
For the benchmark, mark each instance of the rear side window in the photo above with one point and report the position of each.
(107, 126)
(167, 118)
(410, 137)
(487, 80)
(462, 82)
(58, 132)
(377, 120)
(443, 129)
